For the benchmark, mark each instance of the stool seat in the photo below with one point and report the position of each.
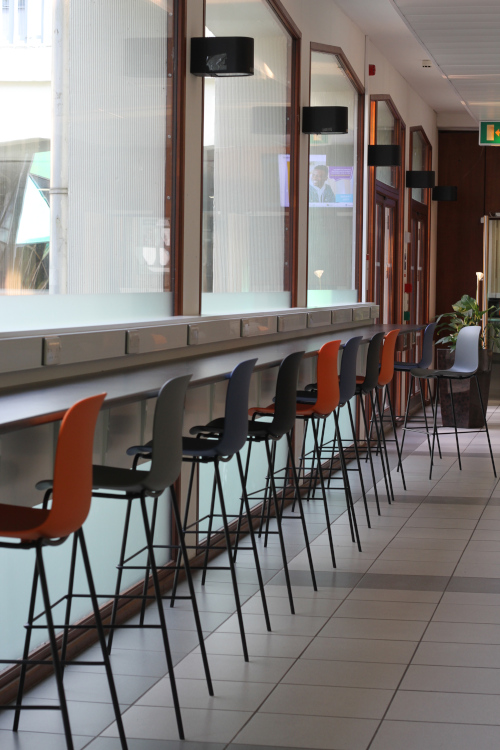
(420, 372)
(255, 429)
(405, 366)
(21, 522)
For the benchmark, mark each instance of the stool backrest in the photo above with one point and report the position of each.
(373, 362)
(166, 458)
(387, 358)
(72, 489)
(426, 358)
(286, 394)
(347, 380)
(236, 415)
(328, 378)
(467, 351)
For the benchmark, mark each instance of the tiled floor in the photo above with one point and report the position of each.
(398, 649)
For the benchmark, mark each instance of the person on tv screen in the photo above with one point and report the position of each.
(319, 190)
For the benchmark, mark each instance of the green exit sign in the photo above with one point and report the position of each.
(489, 133)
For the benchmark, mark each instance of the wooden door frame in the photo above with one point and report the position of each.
(396, 193)
(427, 205)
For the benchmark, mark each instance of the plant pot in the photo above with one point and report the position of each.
(465, 396)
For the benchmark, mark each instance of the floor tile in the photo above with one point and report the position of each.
(361, 650)
(467, 613)
(93, 688)
(394, 735)
(279, 605)
(280, 624)
(397, 630)
(38, 741)
(316, 732)
(474, 585)
(458, 632)
(459, 708)
(85, 718)
(223, 667)
(452, 679)
(395, 595)
(458, 655)
(401, 567)
(344, 674)
(310, 700)
(112, 743)
(403, 582)
(258, 645)
(386, 610)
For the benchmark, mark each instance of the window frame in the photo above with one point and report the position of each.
(360, 89)
(427, 205)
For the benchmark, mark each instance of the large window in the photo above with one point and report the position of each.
(247, 231)
(333, 189)
(386, 135)
(85, 208)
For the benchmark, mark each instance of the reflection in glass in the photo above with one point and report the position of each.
(418, 162)
(332, 190)
(386, 136)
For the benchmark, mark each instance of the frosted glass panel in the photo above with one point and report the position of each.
(246, 163)
(332, 190)
(418, 162)
(84, 197)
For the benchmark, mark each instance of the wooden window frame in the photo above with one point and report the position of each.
(360, 89)
(396, 193)
(427, 204)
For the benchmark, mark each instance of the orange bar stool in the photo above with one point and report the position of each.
(315, 405)
(384, 380)
(36, 528)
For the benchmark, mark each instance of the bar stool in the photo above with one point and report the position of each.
(206, 449)
(465, 367)
(36, 528)
(424, 363)
(320, 405)
(347, 390)
(136, 484)
(366, 387)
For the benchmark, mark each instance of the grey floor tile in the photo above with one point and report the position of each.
(458, 655)
(395, 595)
(394, 735)
(458, 632)
(313, 700)
(289, 646)
(200, 725)
(112, 743)
(361, 650)
(467, 613)
(323, 579)
(279, 605)
(344, 674)
(85, 718)
(459, 708)
(93, 688)
(436, 499)
(398, 630)
(403, 582)
(123, 662)
(474, 585)
(316, 732)
(452, 679)
(281, 624)
(386, 610)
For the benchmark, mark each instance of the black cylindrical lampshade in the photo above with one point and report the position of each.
(384, 156)
(219, 56)
(420, 179)
(444, 193)
(325, 120)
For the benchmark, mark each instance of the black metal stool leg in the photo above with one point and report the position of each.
(159, 602)
(369, 451)
(399, 452)
(253, 543)
(455, 423)
(358, 462)
(234, 580)
(298, 498)
(189, 579)
(378, 429)
(26, 651)
(347, 486)
(383, 442)
(407, 411)
(434, 406)
(240, 517)
(69, 602)
(434, 426)
(485, 423)
(323, 491)
(119, 574)
(422, 401)
(209, 535)
(102, 639)
(271, 455)
(53, 648)
(184, 527)
(148, 564)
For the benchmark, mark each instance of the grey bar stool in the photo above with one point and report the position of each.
(207, 449)
(465, 367)
(424, 363)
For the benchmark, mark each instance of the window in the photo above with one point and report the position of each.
(85, 195)
(386, 135)
(419, 160)
(333, 189)
(246, 230)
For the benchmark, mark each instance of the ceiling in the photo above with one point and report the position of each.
(460, 37)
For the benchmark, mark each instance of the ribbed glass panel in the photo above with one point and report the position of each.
(117, 239)
(246, 153)
(332, 190)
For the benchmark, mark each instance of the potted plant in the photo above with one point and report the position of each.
(466, 312)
